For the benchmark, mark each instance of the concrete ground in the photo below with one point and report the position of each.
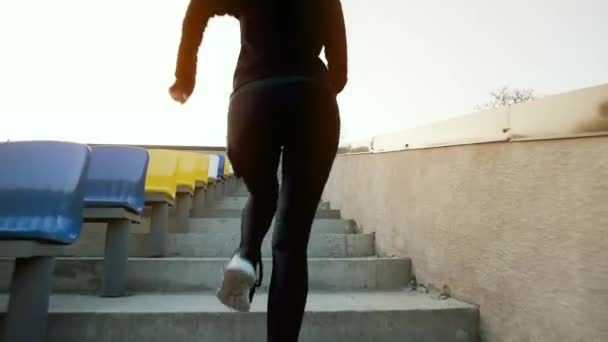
(397, 316)
(318, 301)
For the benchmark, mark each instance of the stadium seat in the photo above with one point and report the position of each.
(221, 166)
(38, 180)
(186, 185)
(202, 170)
(117, 178)
(115, 196)
(213, 181)
(231, 183)
(220, 186)
(161, 189)
(42, 187)
(202, 178)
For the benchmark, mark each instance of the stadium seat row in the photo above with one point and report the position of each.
(48, 189)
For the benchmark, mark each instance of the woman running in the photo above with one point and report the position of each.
(283, 103)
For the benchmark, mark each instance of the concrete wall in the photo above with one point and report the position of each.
(576, 113)
(519, 228)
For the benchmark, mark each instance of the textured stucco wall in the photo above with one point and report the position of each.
(519, 228)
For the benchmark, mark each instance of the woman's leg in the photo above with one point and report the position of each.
(309, 151)
(254, 149)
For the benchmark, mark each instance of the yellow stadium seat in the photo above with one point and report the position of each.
(162, 173)
(186, 171)
(227, 168)
(202, 170)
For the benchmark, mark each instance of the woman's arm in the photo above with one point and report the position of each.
(193, 27)
(335, 46)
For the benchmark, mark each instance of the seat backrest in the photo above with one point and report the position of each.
(117, 177)
(42, 187)
(161, 177)
(220, 167)
(227, 168)
(202, 167)
(214, 162)
(186, 170)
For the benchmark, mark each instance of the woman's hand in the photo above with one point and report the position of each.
(179, 92)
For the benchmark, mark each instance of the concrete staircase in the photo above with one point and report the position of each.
(355, 295)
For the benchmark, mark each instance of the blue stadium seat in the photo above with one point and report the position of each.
(117, 177)
(42, 187)
(221, 165)
(115, 196)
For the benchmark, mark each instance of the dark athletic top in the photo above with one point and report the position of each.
(279, 38)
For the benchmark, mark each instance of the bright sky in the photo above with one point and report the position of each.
(98, 71)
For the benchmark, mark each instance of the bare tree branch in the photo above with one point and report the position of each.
(506, 97)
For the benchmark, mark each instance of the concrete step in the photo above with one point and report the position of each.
(223, 245)
(341, 317)
(82, 275)
(236, 213)
(238, 202)
(233, 225)
(241, 193)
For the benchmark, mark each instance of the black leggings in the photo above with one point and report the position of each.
(301, 120)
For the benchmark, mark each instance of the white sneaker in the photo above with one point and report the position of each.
(239, 278)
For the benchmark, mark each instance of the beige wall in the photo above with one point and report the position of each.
(575, 113)
(519, 228)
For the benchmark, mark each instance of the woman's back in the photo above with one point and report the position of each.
(278, 38)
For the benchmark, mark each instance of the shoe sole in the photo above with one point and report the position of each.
(234, 292)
